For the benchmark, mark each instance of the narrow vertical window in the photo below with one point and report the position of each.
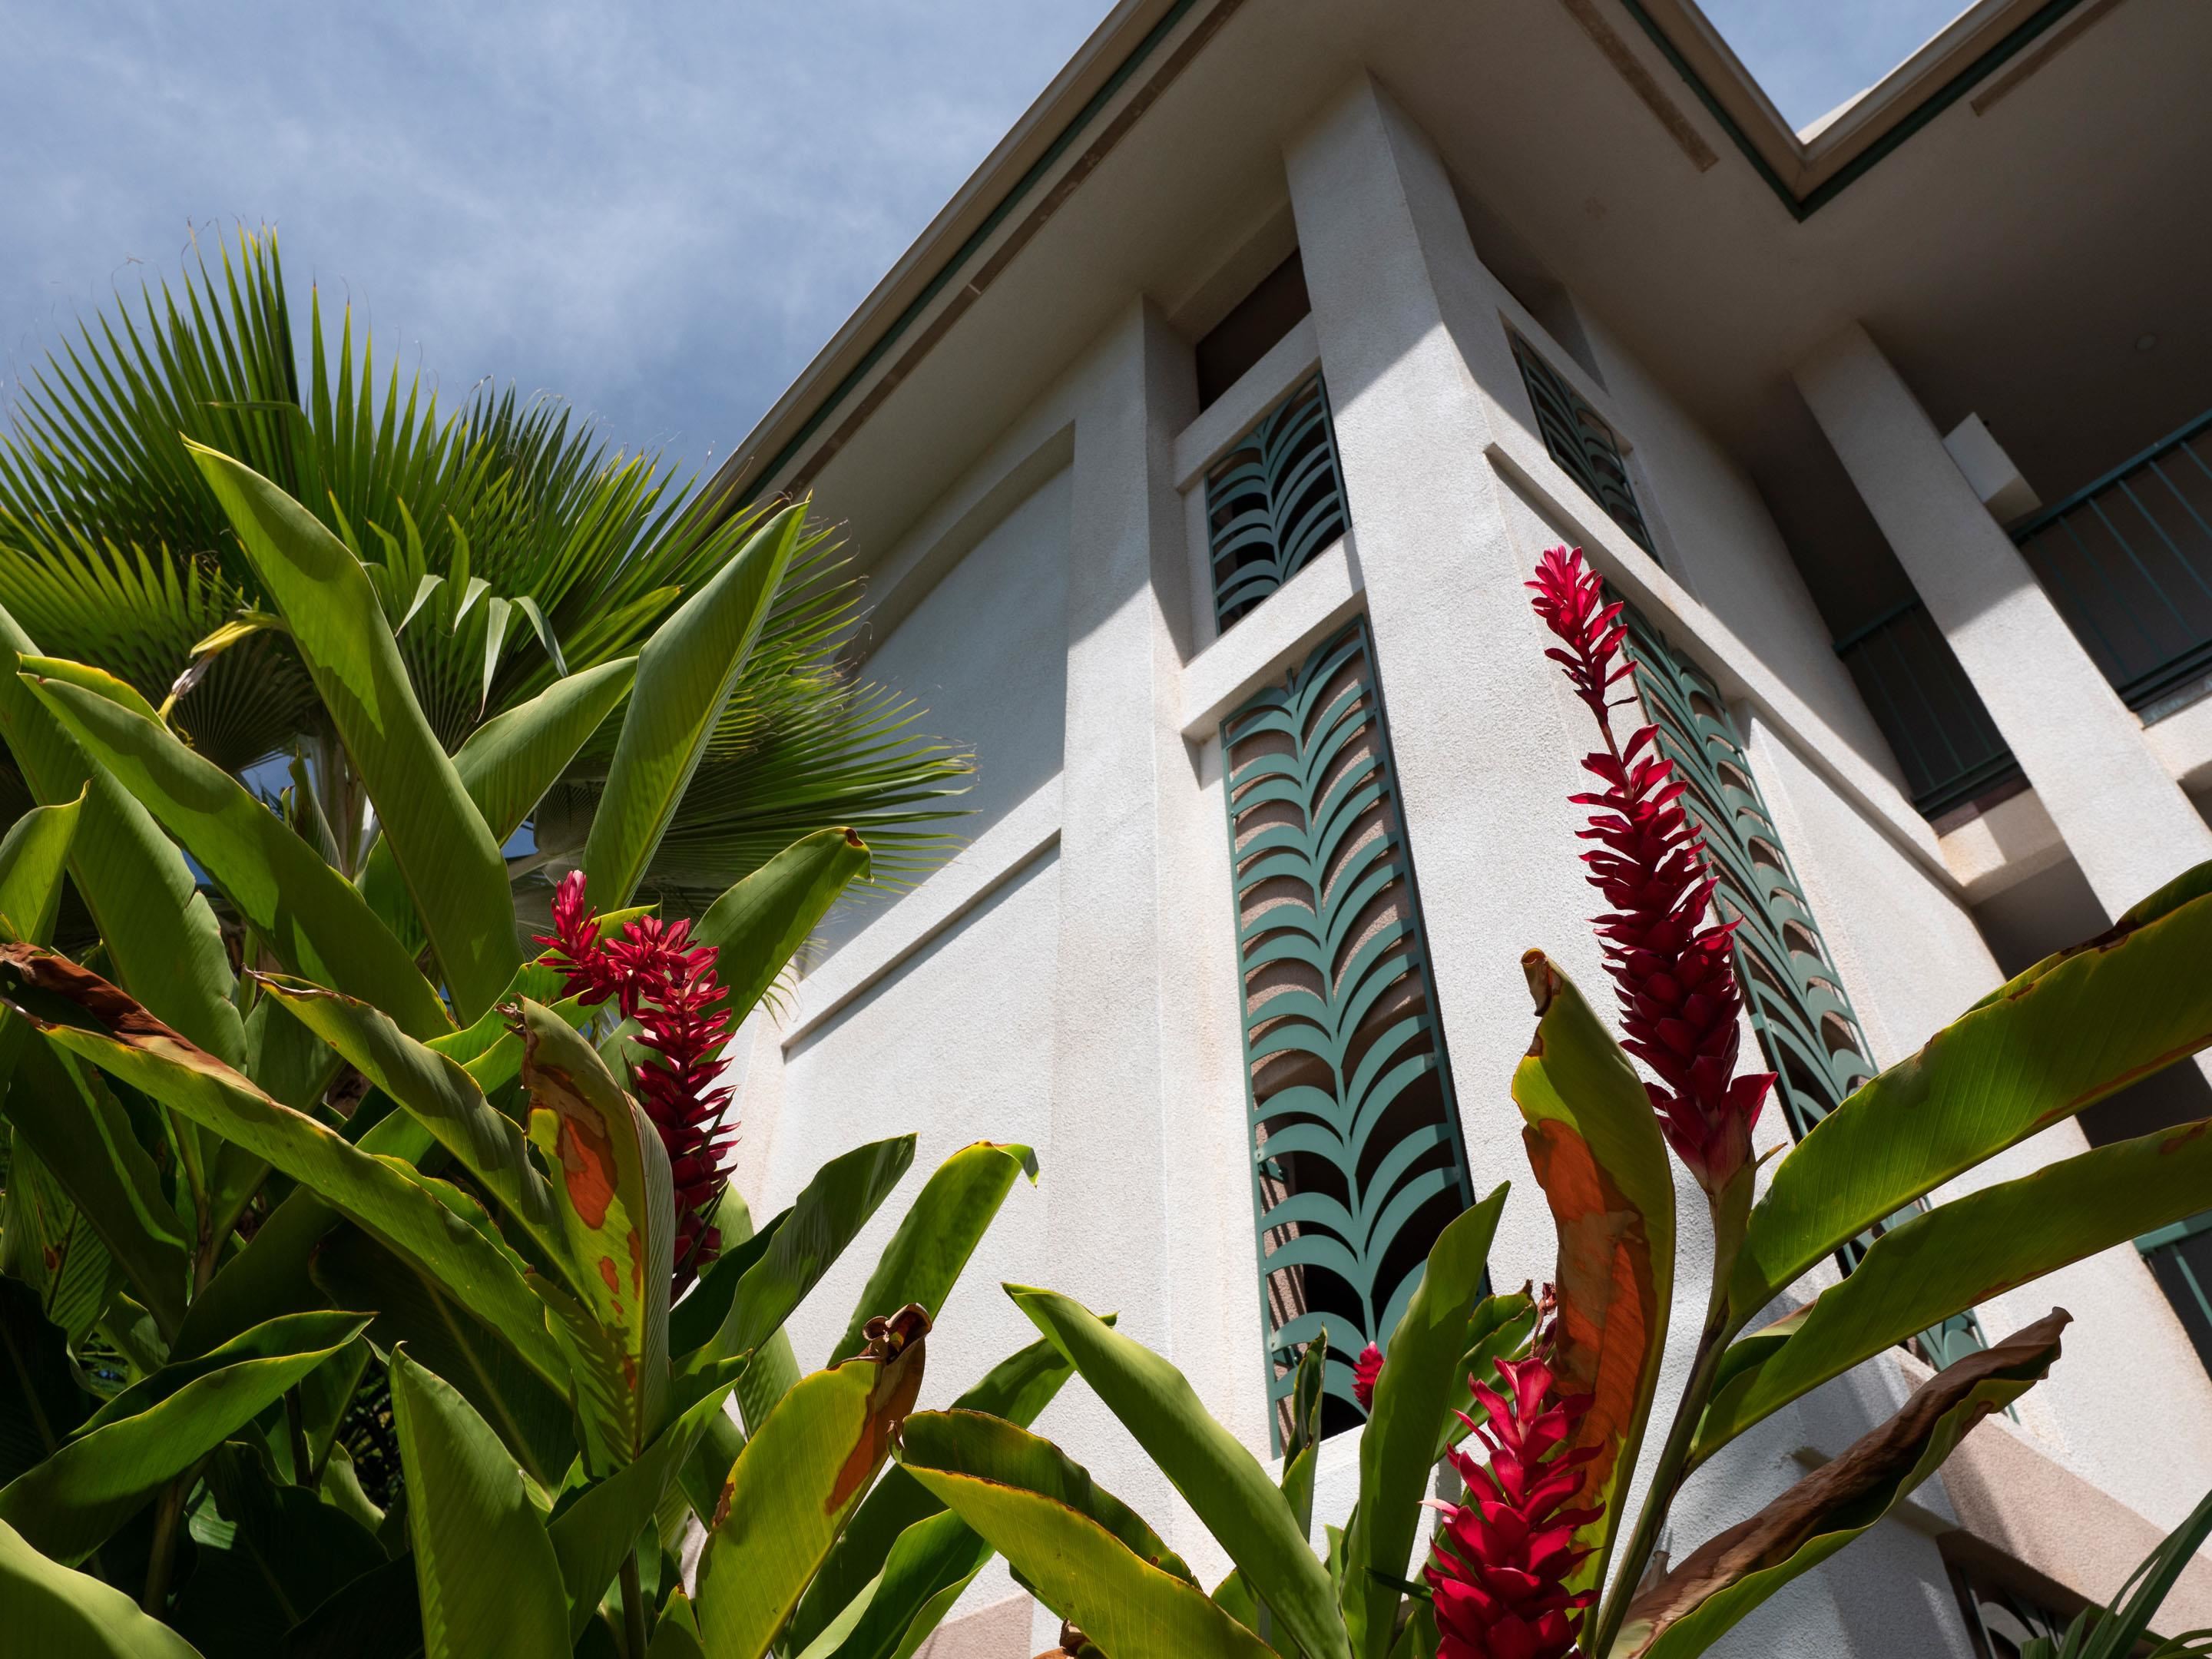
(1580, 440)
(1274, 503)
(1357, 1162)
(1806, 1025)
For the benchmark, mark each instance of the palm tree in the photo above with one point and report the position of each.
(509, 545)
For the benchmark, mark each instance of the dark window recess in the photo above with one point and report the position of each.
(1357, 1165)
(1248, 333)
(1580, 440)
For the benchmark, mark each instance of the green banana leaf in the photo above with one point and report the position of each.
(506, 765)
(618, 1214)
(760, 923)
(1593, 1143)
(950, 1214)
(60, 1614)
(1420, 1377)
(445, 851)
(1947, 1260)
(485, 1567)
(162, 938)
(592, 1535)
(685, 674)
(744, 1298)
(1705, 1596)
(33, 856)
(1088, 1558)
(2055, 1042)
(929, 1564)
(532, 1419)
(1014, 1390)
(382, 1194)
(1220, 1480)
(82, 1138)
(790, 1492)
(47, 1241)
(68, 1505)
(314, 920)
(440, 1094)
(289, 1551)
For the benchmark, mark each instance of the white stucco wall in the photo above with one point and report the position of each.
(984, 654)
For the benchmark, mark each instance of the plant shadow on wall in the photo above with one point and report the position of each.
(1540, 1404)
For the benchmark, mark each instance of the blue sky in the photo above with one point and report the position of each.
(659, 212)
(1811, 55)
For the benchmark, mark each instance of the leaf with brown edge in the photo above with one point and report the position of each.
(80, 1012)
(1593, 1143)
(1721, 1582)
(796, 1483)
(612, 1188)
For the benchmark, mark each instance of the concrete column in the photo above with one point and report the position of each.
(2124, 819)
(1129, 1144)
(1485, 733)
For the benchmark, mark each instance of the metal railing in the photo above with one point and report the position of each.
(2180, 1258)
(1926, 707)
(2128, 562)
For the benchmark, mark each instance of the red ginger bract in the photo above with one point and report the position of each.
(1675, 972)
(1499, 1568)
(1366, 1371)
(654, 975)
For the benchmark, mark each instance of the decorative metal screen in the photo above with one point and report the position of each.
(1274, 503)
(1805, 1023)
(1357, 1160)
(1581, 441)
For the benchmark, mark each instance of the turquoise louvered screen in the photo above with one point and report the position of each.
(1274, 503)
(1580, 440)
(1804, 1019)
(1357, 1161)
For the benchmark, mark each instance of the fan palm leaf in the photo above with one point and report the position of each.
(508, 544)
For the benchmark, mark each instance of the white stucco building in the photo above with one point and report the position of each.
(1255, 367)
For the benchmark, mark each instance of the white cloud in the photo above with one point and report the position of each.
(659, 212)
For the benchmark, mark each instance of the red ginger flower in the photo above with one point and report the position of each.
(1366, 1371)
(1499, 1568)
(655, 975)
(1675, 969)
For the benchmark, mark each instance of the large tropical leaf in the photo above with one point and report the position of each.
(758, 926)
(1947, 1260)
(686, 675)
(1716, 1584)
(41, 1403)
(488, 1576)
(616, 1212)
(1398, 1451)
(1090, 1558)
(1593, 1143)
(443, 849)
(155, 924)
(792, 1489)
(1221, 1481)
(311, 916)
(60, 1614)
(1014, 1391)
(950, 1214)
(2052, 1041)
(67, 1505)
(83, 1013)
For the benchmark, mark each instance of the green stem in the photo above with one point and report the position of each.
(633, 1595)
(169, 1510)
(296, 1418)
(1731, 1213)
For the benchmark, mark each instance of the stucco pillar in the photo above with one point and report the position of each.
(2126, 822)
(1124, 1132)
(1484, 734)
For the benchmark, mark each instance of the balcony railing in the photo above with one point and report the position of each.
(1928, 710)
(2128, 562)
(2180, 1257)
